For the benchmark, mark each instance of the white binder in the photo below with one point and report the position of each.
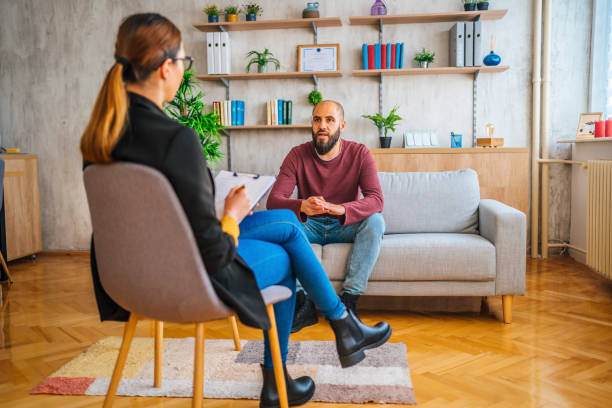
(469, 45)
(477, 43)
(225, 54)
(210, 61)
(456, 45)
(217, 52)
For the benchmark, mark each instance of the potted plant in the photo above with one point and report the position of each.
(469, 5)
(187, 108)
(252, 11)
(424, 57)
(231, 13)
(213, 13)
(385, 123)
(482, 4)
(262, 59)
(314, 97)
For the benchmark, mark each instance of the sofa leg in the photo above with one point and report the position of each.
(507, 305)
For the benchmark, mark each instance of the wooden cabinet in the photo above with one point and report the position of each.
(21, 205)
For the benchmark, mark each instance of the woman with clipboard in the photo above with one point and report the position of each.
(243, 251)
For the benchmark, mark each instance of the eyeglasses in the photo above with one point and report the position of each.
(187, 62)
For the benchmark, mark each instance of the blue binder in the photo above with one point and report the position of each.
(388, 55)
(377, 56)
(401, 61)
(240, 112)
(280, 112)
(364, 53)
(234, 115)
(397, 54)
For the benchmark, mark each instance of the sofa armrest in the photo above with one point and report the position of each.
(506, 228)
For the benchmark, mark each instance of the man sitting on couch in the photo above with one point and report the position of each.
(330, 173)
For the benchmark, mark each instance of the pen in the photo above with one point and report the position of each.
(242, 187)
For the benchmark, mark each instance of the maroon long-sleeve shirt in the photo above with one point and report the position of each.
(338, 181)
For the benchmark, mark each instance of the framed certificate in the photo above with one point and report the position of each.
(319, 57)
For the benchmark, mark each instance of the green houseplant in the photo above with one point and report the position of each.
(231, 13)
(262, 59)
(187, 108)
(424, 57)
(385, 123)
(252, 10)
(212, 12)
(314, 97)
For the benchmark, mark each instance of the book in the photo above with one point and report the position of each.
(210, 62)
(240, 113)
(393, 52)
(383, 56)
(228, 113)
(478, 43)
(469, 44)
(256, 187)
(285, 112)
(279, 103)
(371, 56)
(376, 56)
(401, 56)
(289, 112)
(268, 114)
(397, 55)
(234, 119)
(217, 52)
(456, 45)
(388, 55)
(364, 55)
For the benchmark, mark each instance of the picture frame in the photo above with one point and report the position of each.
(318, 57)
(586, 124)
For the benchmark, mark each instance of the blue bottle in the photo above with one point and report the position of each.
(492, 59)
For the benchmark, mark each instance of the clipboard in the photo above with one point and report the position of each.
(257, 186)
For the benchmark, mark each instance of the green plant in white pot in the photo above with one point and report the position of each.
(385, 124)
(262, 59)
(424, 57)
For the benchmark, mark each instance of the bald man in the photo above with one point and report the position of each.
(330, 173)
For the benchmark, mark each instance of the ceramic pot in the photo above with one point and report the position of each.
(423, 64)
(213, 19)
(231, 18)
(262, 69)
(251, 17)
(469, 7)
(378, 8)
(492, 59)
(483, 6)
(385, 142)
(311, 10)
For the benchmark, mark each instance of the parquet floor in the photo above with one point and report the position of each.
(557, 352)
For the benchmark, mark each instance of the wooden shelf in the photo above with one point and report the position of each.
(269, 127)
(270, 24)
(428, 71)
(447, 150)
(428, 17)
(271, 75)
(591, 140)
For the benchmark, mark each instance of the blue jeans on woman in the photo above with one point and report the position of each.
(275, 247)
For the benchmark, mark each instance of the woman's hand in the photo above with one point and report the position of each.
(237, 204)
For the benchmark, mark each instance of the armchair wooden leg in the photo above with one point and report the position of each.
(159, 347)
(8, 274)
(198, 369)
(128, 334)
(232, 321)
(507, 301)
(279, 374)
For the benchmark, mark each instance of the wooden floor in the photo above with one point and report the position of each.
(557, 353)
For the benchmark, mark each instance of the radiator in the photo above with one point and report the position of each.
(599, 217)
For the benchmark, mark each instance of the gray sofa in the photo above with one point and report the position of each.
(441, 239)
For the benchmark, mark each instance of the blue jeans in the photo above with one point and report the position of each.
(275, 247)
(366, 237)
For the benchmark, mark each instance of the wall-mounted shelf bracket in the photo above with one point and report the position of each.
(222, 29)
(315, 79)
(315, 32)
(380, 31)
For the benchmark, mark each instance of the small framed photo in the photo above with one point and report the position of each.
(586, 124)
(318, 57)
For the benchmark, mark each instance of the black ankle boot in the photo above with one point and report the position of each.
(350, 302)
(305, 313)
(353, 337)
(299, 391)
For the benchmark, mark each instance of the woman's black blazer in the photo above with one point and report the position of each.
(153, 139)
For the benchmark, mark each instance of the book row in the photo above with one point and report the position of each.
(383, 56)
(465, 44)
(230, 113)
(279, 112)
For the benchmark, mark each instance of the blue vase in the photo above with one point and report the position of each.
(492, 59)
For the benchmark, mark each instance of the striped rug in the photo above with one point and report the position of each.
(383, 377)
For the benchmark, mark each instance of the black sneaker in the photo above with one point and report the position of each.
(305, 313)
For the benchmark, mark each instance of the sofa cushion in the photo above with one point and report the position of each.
(431, 202)
(426, 257)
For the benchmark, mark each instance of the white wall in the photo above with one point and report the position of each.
(54, 55)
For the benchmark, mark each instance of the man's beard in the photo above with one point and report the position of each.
(322, 147)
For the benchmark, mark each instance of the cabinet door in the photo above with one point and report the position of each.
(22, 206)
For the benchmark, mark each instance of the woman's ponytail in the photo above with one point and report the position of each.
(107, 119)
